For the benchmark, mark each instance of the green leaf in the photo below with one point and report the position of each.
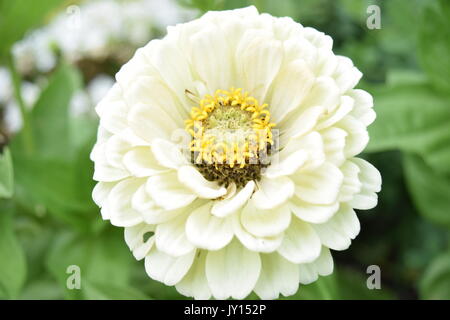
(55, 187)
(18, 16)
(434, 43)
(42, 289)
(353, 286)
(104, 262)
(101, 291)
(13, 265)
(429, 190)
(50, 114)
(435, 282)
(6, 174)
(57, 177)
(412, 118)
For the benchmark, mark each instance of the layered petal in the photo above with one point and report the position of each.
(168, 192)
(207, 231)
(300, 243)
(265, 223)
(233, 271)
(167, 269)
(319, 186)
(278, 275)
(338, 232)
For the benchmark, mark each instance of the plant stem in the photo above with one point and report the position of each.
(26, 134)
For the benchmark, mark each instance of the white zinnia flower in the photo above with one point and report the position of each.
(215, 223)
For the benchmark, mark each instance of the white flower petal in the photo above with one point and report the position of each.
(135, 239)
(318, 38)
(313, 213)
(171, 239)
(252, 242)
(207, 231)
(140, 162)
(232, 271)
(114, 95)
(370, 179)
(290, 88)
(338, 232)
(265, 223)
(252, 55)
(311, 144)
(157, 215)
(167, 269)
(212, 66)
(103, 170)
(168, 154)
(271, 193)
(115, 120)
(363, 109)
(101, 192)
(115, 149)
(278, 275)
(324, 93)
(351, 184)
(346, 75)
(324, 263)
(325, 63)
(300, 243)
(318, 186)
(323, 266)
(222, 208)
(299, 48)
(141, 200)
(194, 181)
(120, 210)
(194, 283)
(150, 122)
(307, 273)
(300, 123)
(287, 164)
(344, 108)
(334, 144)
(172, 65)
(135, 68)
(168, 192)
(357, 138)
(151, 91)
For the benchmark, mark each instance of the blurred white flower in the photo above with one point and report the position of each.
(13, 117)
(80, 104)
(84, 100)
(99, 29)
(6, 88)
(222, 222)
(99, 86)
(35, 52)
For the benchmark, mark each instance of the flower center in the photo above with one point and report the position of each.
(231, 137)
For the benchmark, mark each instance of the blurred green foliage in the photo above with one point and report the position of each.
(49, 222)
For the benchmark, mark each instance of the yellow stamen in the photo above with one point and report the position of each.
(229, 110)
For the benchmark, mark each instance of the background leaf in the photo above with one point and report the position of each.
(13, 265)
(6, 174)
(434, 47)
(104, 260)
(430, 191)
(18, 16)
(435, 283)
(412, 118)
(50, 114)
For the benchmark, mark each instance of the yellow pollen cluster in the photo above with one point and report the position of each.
(224, 112)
